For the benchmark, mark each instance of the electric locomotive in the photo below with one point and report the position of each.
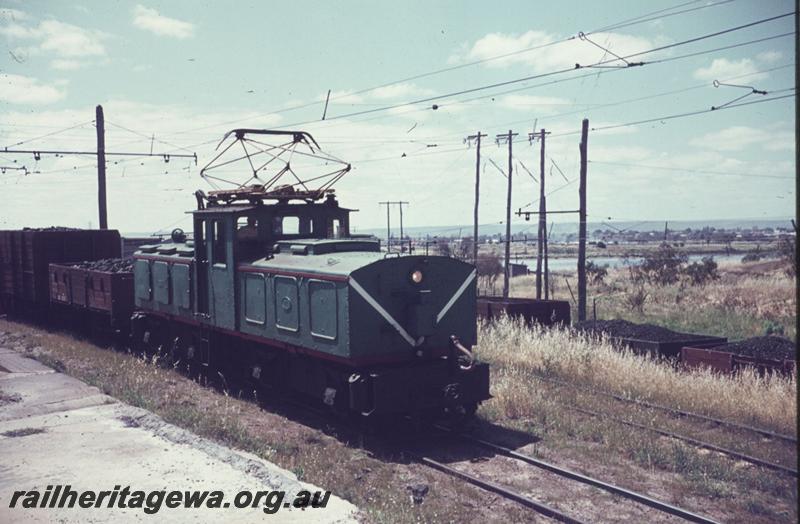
(274, 289)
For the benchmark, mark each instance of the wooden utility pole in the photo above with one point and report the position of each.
(101, 154)
(666, 225)
(388, 226)
(545, 239)
(582, 223)
(101, 167)
(388, 205)
(507, 269)
(477, 137)
(542, 220)
(401, 204)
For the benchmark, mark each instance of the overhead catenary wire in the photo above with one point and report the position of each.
(49, 134)
(681, 115)
(625, 23)
(571, 79)
(149, 138)
(603, 128)
(552, 82)
(578, 77)
(549, 73)
(690, 170)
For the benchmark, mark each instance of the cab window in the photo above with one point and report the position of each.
(218, 243)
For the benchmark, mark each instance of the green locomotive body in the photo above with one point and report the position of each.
(284, 294)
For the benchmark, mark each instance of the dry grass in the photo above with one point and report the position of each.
(315, 454)
(518, 353)
(704, 482)
(744, 302)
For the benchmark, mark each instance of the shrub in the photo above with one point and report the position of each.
(663, 266)
(636, 299)
(595, 273)
(788, 253)
(489, 265)
(700, 273)
(751, 257)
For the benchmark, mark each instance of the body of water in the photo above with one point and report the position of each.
(571, 263)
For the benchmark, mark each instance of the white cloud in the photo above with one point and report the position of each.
(530, 49)
(14, 30)
(722, 68)
(67, 40)
(64, 64)
(151, 20)
(769, 56)
(737, 138)
(70, 44)
(18, 89)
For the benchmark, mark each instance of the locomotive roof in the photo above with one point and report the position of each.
(227, 209)
(341, 263)
(247, 208)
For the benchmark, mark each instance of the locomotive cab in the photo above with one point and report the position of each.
(226, 235)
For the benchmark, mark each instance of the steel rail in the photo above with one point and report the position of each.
(689, 414)
(611, 488)
(690, 440)
(497, 489)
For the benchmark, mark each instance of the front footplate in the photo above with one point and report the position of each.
(418, 388)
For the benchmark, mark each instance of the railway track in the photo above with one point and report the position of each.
(508, 493)
(676, 412)
(537, 505)
(492, 487)
(689, 440)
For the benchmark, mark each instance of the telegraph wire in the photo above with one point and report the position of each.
(518, 80)
(644, 18)
(723, 48)
(600, 106)
(688, 170)
(560, 71)
(625, 23)
(682, 115)
(541, 75)
(418, 109)
(49, 134)
(631, 100)
(603, 128)
(149, 138)
(660, 61)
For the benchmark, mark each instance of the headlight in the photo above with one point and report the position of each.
(416, 276)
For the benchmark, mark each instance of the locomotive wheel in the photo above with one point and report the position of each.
(461, 415)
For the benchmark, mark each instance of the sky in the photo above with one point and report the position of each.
(174, 76)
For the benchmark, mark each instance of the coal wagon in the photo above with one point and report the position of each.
(25, 256)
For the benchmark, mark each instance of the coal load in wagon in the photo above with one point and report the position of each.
(51, 228)
(648, 339)
(769, 347)
(624, 329)
(108, 265)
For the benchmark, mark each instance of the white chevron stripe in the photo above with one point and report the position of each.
(455, 297)
(385, 314)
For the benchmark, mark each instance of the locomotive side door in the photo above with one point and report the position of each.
(221, 270)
